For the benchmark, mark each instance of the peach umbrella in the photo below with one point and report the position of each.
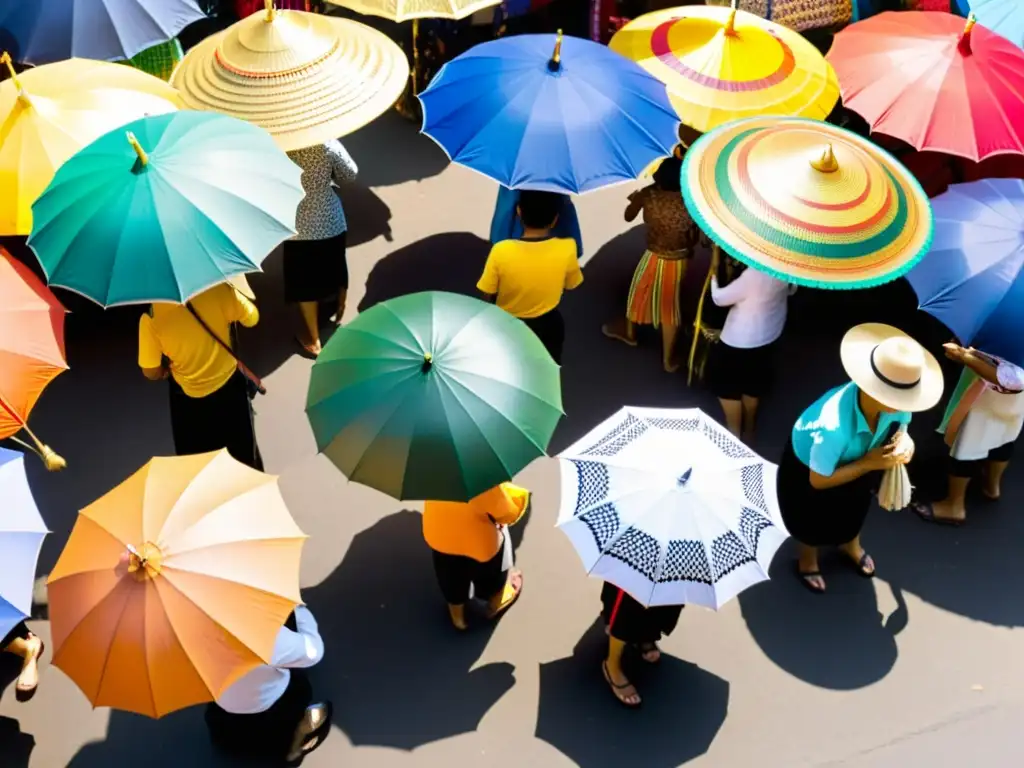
(174, 584)
(31, 349)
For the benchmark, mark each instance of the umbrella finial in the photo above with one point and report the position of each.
(143, 157)
(52, 460)
(730, 23)
(827, 162)
(5, 58)
(965, 37)
(556, 58)
(145, 562)
(428, 362)
(271, 11)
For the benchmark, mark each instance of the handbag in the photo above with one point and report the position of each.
(253, 381)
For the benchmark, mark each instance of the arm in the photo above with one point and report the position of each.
(734, 292)
(343, 167)
(880, 458)
(297, 650)
(243, 311)
(636, 204)
(150, 352)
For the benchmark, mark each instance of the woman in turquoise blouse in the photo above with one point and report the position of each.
(839, 445)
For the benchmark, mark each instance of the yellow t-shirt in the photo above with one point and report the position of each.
(529, 276)
(470, 529)
(198, 363)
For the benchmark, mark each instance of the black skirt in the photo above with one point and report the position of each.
(734, 371)
(822, 518)
(222, 419)
(314, 270)
(550, 329)
(628, 621)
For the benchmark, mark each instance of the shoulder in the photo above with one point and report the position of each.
(831, 412)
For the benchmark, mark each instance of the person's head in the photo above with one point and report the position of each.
(893, 372)
(667, 175)
(538, 210)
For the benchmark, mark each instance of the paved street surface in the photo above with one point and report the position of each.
(922, 666)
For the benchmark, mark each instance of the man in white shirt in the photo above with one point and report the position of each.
(268, 712)
(743, 362)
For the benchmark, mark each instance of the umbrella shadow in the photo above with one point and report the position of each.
(398, 673)
(410, 155)
(838, 640)
(684, 708)
(452, 261)
(15, 747)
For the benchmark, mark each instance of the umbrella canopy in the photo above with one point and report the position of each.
(971, 280)
(407, 10)
(934, 82)
(304, 77)
(50, 112)
(31, 342)
(806, 201)
(433, 396)
(174, 584)
(543, 112)
(54, 30)
(721, 64)
(1004, 17)
(165, 208)
(670, 507)
(22, 531)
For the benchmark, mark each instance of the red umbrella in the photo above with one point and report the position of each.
(934, 82)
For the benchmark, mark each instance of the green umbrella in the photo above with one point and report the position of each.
(165, 207)
(433, 396)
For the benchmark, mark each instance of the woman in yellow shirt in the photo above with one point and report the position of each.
(210, 405)
(470, 545)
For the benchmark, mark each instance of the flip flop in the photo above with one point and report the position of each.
(23, 694)
(509, 595)
(646, 648)
(308, 349)
(805, 575)
(861, 565)
(927, 513)
(617, 336)
(616, 688)
(313, 740)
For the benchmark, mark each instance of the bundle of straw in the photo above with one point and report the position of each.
(895, 491)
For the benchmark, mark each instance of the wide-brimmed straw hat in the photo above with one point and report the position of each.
(304, 77)
(891, 367)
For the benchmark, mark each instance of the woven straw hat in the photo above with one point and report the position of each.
(303, 77)
(891, 367)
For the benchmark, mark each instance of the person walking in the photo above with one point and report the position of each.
(314, 261)
(472, 551)
(527, 277)
(269, 711)
(742, 364)
(981, 425)
(831, 466)
(191, 346)
(671, 238)
(29, 648)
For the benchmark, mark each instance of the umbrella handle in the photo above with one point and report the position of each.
(53, 461)
(697, 322)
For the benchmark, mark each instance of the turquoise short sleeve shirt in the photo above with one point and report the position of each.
(833, 432)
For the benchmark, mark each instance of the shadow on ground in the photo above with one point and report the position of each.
(410, 155)
(15, 747)
(684, 707)
(390, 640)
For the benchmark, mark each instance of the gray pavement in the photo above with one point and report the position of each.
(921, 666)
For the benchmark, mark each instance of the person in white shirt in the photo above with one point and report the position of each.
(269, 711)
(742, 363)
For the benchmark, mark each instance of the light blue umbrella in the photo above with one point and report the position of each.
(21, 535)
(549, 113)
(44, 31)
(1004, 17)
(971, 279)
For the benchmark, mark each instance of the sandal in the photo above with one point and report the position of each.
(620, 692)
(311, 732)
(510, 593)
(649, 652)
(310, 350)
(22, 692)
(608, 330)
(927, 513)
(861, 564)
(805, 579)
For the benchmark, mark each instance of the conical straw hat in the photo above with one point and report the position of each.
(304, 77)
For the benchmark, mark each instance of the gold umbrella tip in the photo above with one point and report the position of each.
(5, 58)
(143, 157)
(53, 461)
(428, 362)
(965, 36)
(271, 11)
(826, 162)
(556, 58)
(730, 22)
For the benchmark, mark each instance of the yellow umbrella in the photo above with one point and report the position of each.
(50, 112)
(721, 64)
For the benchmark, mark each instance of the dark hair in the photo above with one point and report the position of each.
(667, 175)
(538, 210)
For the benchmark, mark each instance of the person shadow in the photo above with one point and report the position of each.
(684, 707)
(397, 671)
(15, 747)
(411, 155)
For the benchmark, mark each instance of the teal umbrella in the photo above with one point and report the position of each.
(433, 396)
(165, 207)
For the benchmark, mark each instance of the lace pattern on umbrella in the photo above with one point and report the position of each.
(686, 561)
(603, 523)
(622, 435)
(752, 479)
(591, 484)
(639, 551)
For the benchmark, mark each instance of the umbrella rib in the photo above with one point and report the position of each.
(543, 451)
(110, 647)
(465, 410)
(946, 291)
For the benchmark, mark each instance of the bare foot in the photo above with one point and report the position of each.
(617, 330)
(622, 689)
(311, 348)
(28, 679)
(671, 366)
(649, 652)
(508, 595)
(860, 559)
(458, 616)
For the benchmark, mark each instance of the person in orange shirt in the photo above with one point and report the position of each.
(471, 548)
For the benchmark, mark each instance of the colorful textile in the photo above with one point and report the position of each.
(654, 291)
(160, 60)
(248, 7)
(802, 15)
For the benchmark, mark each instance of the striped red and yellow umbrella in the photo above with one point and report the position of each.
(721, 64)
(808, 202)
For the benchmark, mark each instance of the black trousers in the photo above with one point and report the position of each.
(456, 573)
(222, 419)
(550, 329)
(264, 734)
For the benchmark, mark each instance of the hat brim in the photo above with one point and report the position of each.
(855, 351)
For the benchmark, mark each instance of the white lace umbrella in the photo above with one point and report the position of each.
(670, 507)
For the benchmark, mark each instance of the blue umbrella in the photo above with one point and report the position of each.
(1004, 17)
(540, 112)
(971, 279)
(44, 31)
(21, 535)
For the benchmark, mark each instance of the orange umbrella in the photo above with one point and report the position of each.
(31, 348)
(174, 584)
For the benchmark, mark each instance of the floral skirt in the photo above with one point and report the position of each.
(654, 292)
